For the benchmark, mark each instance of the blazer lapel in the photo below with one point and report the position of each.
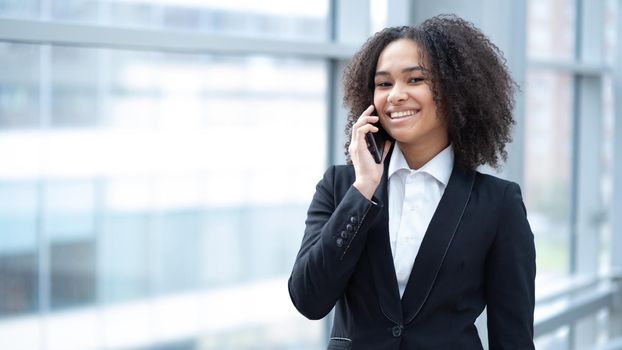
(380, 256)
(436, 241)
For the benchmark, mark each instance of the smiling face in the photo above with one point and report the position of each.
(404, 101)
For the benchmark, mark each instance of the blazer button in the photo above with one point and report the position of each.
(349, 227)
(353, 219)
(397, 331)
(339, 242)
(344, 234)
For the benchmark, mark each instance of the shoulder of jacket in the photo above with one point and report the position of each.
(493, 181)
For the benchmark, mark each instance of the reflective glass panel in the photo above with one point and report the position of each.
(302, 20)
(69, 226)
(19, 86)
(551, 27)
(171, 191)
(548, 136)
(18, 248)
(611, 40)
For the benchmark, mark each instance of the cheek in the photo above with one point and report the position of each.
(427, 96)
(379, 101)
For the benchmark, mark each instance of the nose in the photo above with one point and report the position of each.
(397, 95)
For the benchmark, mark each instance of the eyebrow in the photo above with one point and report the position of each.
(405, 70)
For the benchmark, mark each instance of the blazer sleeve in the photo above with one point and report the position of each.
(510, 276)
(334, 238)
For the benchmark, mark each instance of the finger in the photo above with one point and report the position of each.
(358, 135)
(365, 120)
(366, 128)
(363, 130)
(368, 111)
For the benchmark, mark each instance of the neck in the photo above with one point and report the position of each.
(417, 155)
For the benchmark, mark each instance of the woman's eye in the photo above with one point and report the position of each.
(415, 80)
(383, 84)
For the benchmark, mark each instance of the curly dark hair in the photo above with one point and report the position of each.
(472, 88)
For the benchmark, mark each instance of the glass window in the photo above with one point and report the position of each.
(270, 230)
(72, 275)
(18, 247)
(18, 210)
(164, 175)
(123, 248)
(223, 245)
(19, 8)
(74, 100)
(548, 123)
(306, 20)
(69, 208)
(69, 222)
(551, 29)
(72, 10)
(177, 234)
(558, 339)
(19, 86)
(610, 31)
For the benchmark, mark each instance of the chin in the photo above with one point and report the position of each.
(402, 136)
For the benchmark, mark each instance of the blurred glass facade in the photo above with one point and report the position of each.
(273, 18)
(142, 191)
(548, 168)
(571, 53)
(155, 199)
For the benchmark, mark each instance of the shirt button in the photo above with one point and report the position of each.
(397, 331)
(339, 242)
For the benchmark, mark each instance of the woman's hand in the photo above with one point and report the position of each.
(368, 173)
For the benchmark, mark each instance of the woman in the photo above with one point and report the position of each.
(411, 250)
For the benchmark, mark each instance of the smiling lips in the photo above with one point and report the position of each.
(403, 114)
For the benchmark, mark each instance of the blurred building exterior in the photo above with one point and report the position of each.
(157, 159)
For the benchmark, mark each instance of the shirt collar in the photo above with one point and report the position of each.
(439, 167)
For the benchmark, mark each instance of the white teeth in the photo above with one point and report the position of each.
(403, 114)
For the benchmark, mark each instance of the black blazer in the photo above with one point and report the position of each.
(478, 251)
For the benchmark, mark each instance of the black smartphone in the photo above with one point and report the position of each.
(376, 141)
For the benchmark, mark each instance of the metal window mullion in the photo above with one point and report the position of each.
(517, 13)
(587, 149)
(615, 316)
(43, 264)
(103, 86)
(572, 240)
(331, 109)
(59, 33)
(571, 67)
(332, 87)
(45, 87)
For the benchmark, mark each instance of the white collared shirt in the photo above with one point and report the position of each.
(413, 198)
